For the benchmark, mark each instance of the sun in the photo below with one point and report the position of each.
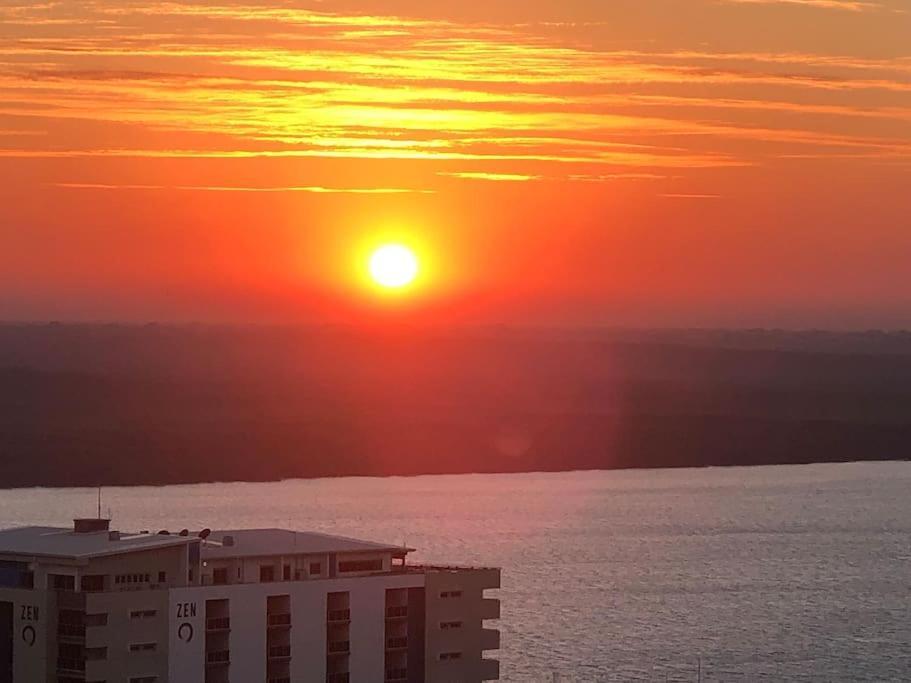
(393, 266)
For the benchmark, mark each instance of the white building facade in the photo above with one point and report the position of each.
(92, 605)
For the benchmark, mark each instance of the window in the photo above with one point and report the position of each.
(143, 647)
(286, 572)
(444, 656)
(266, 573)
(100, 619)
(162, 577)
(316, 568)
(143, 679)
(94, 654)
(92, 582)
(360, 566)
(449, 625)
(220, 576)
(143, 614)
(451, 594)
(63, 582)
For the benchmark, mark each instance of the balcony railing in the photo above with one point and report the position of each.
(397, 612)
(397, 643)
(279, 651)
(218, 624)
(490, 669)
(490, 608)
(280, 619)
(338, 677)
(339, 647)
(70, 664)
(218, 657)
(490, 639)
(71, 630)
(336, 615)
(396, 675)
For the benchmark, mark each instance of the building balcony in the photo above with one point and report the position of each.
(71, 632)
(400, 643)
(397, 612)
(395, 675)
(490, 608)
(218, 624)
(339, 677)
(280, 652)
(490, 639)
(70, 666)
(339, 647)
(490, 669)
(338, 616)
(218, 657)
(281, 619)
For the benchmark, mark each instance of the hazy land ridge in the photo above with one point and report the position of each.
(89, 404)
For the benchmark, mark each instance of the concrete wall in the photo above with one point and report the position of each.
(308, 631)
(123, 630)
(172, 561)
(471, 639)
(33, 612)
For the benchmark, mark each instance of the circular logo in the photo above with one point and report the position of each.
(185, 632)
(28, 635)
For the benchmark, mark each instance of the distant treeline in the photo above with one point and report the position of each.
(86, 405)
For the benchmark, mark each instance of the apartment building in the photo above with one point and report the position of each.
(94, 605)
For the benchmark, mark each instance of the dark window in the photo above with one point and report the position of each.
(162, 577)
(266, 573)
(220, 576)
(451, 594)
(100, 619)
(92, 582)
(450, 655)
(143, 647)
(360, 566)
(286, 572)
(449, 625)
(316, 568)
(143, 614)
(63, 582)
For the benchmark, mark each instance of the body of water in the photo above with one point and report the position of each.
(767, 573)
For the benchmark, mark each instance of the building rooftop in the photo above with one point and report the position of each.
(66, 543)
(260, 542)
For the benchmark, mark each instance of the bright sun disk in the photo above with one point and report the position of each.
(393, 266)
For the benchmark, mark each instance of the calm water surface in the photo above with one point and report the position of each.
(771, 573)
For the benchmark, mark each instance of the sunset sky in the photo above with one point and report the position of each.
(616, 162)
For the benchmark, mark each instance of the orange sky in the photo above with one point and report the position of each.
(620, 162)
